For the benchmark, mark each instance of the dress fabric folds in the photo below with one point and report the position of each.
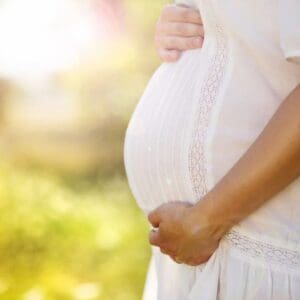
(195, 119)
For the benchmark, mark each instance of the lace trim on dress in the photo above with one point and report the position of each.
(198, 169)
(197, 159)
(263, 250)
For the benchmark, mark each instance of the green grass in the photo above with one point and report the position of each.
(69, 238)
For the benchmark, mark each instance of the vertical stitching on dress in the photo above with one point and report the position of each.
(198, 168)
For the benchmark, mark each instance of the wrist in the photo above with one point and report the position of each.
(206, 215)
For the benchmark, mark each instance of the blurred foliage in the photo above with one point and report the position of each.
(104, 86)
(80, 237)
(69, 238)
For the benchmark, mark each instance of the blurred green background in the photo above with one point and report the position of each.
(71, 73)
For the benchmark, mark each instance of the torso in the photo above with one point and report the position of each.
(200, 114)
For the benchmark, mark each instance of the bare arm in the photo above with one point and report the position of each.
(191, 233)
(270, 164)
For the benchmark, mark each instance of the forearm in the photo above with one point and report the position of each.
(270, 164)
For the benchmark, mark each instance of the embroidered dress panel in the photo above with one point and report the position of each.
(208, 97)
(194, 121)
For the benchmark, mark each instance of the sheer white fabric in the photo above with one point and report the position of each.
(289, 15)
(194, 121)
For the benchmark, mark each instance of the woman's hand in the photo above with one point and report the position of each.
(183, 234)
(179, 28)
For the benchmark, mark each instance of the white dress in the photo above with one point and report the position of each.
(195, 119)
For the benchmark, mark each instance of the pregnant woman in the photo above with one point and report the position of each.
(212, 155)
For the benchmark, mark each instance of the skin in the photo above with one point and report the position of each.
(191, 233)
(179, 28)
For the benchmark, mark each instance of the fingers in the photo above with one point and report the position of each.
(154, 238)
(169, 55)
(179, 13)
(154, 217)
(162, 250)
(178, 43)
(180, 29)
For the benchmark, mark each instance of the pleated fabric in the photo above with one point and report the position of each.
(195, 119)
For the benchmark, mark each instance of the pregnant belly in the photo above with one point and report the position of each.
(161, 131)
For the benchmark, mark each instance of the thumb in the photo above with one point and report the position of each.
(154, 217)
(154, 238)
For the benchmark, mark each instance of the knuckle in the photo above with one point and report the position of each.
(200, 30)
(185, 14)
(190, 43)
(151, 217)
(181, 29)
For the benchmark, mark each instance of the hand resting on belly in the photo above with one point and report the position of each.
(178, 28)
